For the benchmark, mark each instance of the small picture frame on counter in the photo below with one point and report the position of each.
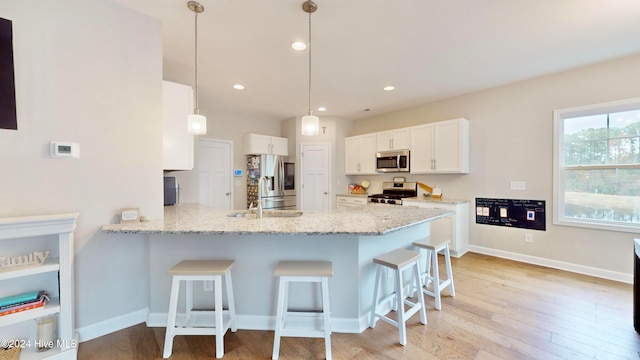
(130, 215)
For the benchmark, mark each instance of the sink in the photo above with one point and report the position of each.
(266, 213)
(281, 213)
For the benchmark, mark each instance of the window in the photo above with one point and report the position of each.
(596, 173)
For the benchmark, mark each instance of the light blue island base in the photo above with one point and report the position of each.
(255, 288)
(339, 236)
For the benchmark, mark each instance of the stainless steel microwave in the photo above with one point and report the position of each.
(392, 161)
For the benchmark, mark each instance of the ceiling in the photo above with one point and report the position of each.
(427, 49)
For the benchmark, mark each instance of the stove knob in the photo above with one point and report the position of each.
(391, 201)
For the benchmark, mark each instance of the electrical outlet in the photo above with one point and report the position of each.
(518, 185)
(528, 238)
(207, 285)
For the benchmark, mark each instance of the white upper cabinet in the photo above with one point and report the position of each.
(399, 139)
(421, 160)
(255, 144)
(360, 155)
(440, 148)
(177, 143)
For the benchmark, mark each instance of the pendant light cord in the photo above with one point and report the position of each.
(310, 63)
(196, 110)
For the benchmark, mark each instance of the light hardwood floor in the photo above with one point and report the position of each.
(502, 310)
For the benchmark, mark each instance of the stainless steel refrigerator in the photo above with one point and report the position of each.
(279, 190)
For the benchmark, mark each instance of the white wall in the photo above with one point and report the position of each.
(511, 138)
(332, 132)
(88, 71)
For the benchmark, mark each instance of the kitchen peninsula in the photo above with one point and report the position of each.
(349, 238)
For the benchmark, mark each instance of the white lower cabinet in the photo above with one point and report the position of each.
(455, 228)
(19, 237)
(344, 201)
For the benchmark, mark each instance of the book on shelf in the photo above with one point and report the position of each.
(39, 302)
(15, 299)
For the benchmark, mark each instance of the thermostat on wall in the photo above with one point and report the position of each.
(59, 149)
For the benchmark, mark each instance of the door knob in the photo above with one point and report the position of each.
(228, 193)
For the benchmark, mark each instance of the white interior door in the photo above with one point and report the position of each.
(315, 173)
(214, 169)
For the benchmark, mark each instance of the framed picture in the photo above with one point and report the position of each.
(8, 116)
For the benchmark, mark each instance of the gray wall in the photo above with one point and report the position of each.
(229, 127)
(511, 138)
(88, 71)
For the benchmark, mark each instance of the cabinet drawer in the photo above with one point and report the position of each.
(350, 200)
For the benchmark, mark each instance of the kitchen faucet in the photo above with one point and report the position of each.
(261, 181)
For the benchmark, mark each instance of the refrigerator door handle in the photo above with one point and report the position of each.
(281, 183)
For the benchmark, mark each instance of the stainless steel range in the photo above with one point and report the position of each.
(393, 192)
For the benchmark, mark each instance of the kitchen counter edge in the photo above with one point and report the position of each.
(371, 220)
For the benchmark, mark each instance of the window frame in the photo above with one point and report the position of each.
(559, 169)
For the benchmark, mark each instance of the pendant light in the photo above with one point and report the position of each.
(310, 122)
(196, 123)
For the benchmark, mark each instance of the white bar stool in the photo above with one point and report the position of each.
(201, 270)
(398, 260)
(302, 271)
(433, 246)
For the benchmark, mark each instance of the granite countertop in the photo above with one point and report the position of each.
(442, 200)
(373, 219)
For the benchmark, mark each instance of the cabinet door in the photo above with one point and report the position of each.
(351, 155)
(367, 155)
(280, 146)
(177, 143)
(454, 228)
(445, 228)
(402, 139)
(451, 146)
(422, 149)
(360, 155)
(350, 201)
(384, 141)
(393, 140)
(256, 144)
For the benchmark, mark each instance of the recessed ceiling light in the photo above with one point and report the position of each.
(299, 46)
(238, 87)
(389, 88)
(322, 108)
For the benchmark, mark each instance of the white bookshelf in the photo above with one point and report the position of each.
(16, 232)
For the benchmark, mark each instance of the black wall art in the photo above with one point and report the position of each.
(8, 117)
(526, 214)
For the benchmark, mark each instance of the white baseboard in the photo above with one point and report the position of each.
(112, 325)
(561, 265)
(253, 322)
